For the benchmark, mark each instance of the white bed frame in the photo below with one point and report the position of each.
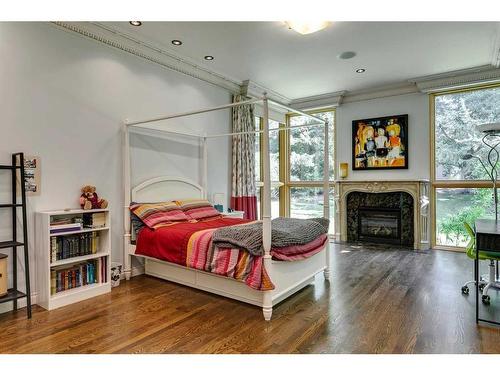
(288, 277)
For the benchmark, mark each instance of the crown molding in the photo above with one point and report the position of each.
(332, 99)
(120, 40)
(457, 79)
(254, 90)
(148, 51)
(380, 92)
(495, 60)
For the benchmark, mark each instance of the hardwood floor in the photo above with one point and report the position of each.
(379, 301)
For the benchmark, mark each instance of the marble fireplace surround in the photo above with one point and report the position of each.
(418, 189)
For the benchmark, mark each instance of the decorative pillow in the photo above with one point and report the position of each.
(197, 209)
(155, 215)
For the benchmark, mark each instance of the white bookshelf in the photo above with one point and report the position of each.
(44, 264)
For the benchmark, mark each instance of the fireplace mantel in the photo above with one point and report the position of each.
(418, 189)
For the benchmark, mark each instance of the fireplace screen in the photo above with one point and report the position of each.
(379, 225)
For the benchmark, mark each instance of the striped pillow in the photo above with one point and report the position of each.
(197, 209)
(155, 215)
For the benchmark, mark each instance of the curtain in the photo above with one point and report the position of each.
(243, 191)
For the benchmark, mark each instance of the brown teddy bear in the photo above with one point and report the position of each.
(89, 199)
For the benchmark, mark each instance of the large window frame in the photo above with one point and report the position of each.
(440, 183)
(285, 184)
(285, 198)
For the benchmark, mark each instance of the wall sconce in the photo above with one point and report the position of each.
(343, 170)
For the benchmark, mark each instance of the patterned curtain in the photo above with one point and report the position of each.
(243, 193)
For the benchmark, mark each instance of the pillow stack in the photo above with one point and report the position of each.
(197, 209)
(155, 215)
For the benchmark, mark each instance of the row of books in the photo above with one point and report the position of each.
(81, 274)
(64, 224)
(64, 247)
(64, 228)
(94, 220)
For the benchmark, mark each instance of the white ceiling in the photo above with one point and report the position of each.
(304, 65)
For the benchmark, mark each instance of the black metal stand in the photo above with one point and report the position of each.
(13, 294)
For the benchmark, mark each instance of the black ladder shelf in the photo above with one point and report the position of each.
(13, 294)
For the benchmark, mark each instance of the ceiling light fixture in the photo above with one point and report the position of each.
(176, 42)
(307, 27)
(135, 23)
(361, 70)
(208, 57)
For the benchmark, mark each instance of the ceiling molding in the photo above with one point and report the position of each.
(332, 99)
(380, 92)
(495, 60)
(254, 90)
(457, 79)
(121, 41)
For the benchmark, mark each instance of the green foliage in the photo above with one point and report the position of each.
(452, 226)
(306, 149)
(457, 116)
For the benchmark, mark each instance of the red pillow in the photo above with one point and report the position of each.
(155, 215)
(197, 209)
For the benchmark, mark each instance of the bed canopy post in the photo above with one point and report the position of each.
(205, 167)
(326, 194)
(126, 202)
(267, 305)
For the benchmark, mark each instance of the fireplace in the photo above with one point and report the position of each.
(380, 217)
(379, 225)
(410, 196)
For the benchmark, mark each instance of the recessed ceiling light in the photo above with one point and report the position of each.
(135, 23)
(346, 55)
(208, 57)
(176, 42)
(360, 70)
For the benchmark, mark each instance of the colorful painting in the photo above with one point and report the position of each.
(380, 143)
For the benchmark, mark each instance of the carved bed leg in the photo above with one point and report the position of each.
(267, 306)
(326, 272)
(127, 267)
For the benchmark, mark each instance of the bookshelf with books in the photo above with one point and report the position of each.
(73, 256)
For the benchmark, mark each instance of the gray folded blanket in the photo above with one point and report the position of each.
(284, 232)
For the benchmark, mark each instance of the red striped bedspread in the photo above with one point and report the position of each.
(190, 245)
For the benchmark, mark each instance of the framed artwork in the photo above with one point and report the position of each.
(380, 143)
(32, 176)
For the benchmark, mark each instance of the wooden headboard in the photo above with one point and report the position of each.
(166, 188)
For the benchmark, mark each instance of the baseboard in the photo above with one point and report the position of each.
(8, 306)
(136, 271)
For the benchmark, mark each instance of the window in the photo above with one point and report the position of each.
(296, 157)
(307, 202)
(307, 147)
(304, 180)
(461, 189)
(456, 117)
(275, 202)
(274, 153)
(456, 206)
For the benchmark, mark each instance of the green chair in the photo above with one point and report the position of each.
(484, 281)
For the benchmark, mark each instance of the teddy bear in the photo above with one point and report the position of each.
(90, 200)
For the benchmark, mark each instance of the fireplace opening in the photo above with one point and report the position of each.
(377, 224)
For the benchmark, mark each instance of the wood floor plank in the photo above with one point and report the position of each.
(380, 300)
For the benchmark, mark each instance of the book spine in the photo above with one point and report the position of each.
(53, 286)
(53, 249)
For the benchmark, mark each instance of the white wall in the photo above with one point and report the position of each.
(63, 98)
(417, 108)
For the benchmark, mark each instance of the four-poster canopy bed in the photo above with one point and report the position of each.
(287, 276)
